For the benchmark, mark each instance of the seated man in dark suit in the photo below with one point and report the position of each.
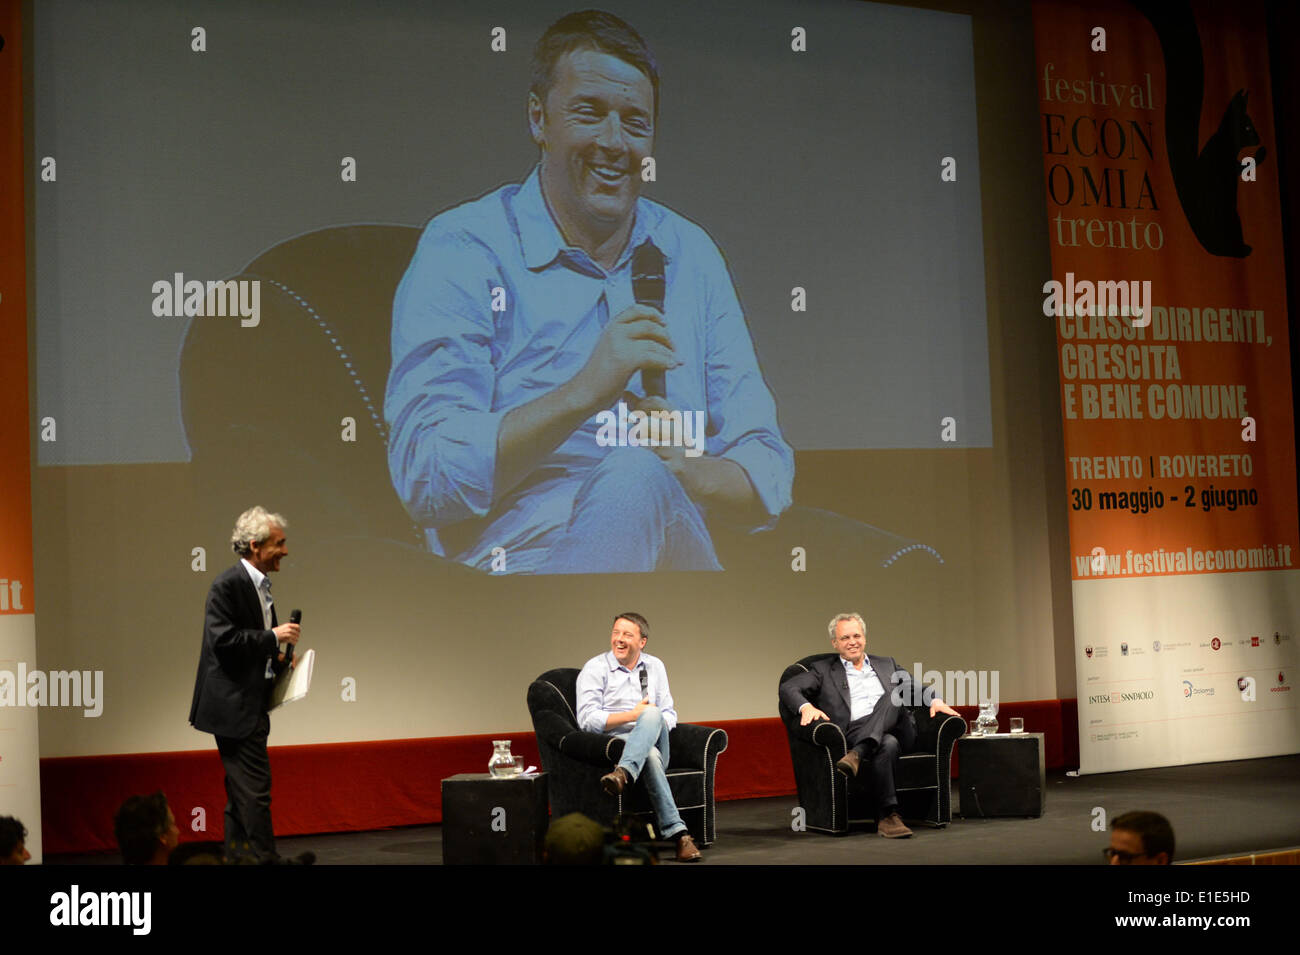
(864, 695)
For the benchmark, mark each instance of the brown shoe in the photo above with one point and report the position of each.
(614, 783)
(891, 827)
(849, 763)
(687, 851)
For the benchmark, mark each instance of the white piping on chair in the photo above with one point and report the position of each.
(562, 699)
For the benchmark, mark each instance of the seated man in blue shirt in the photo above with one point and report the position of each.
(864, 695)
(625, 692)
(517, 340)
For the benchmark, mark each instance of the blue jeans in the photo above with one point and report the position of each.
(632, 515)
(646, 749)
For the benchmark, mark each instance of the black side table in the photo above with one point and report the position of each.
(1002, 775)
(487, 821)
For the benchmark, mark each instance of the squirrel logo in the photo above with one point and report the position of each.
(1205, 179)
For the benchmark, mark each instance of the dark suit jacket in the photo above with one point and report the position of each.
(826, 687)
(231, 690)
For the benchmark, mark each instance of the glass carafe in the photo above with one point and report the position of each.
(502, 763)
(988, 718)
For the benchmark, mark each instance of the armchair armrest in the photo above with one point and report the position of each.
(941, 730)
(598, 749)
(691, 745)
(950, 730)
(927, 728)
(822, 733)
(551, 727)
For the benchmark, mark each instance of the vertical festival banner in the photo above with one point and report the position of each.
(1168, 297)
(19, 750)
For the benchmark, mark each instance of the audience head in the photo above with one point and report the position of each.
(146, 830)
(13, 842)
(575, 840)
(1141, 838)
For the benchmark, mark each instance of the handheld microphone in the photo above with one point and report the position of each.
(648, 285)
(295, 616)
(645, 680)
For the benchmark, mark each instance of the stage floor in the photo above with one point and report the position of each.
(1217, 809)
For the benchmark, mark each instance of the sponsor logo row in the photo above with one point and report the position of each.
(1246, 686)
(1102, 651)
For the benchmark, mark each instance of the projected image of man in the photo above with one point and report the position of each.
(517, 324)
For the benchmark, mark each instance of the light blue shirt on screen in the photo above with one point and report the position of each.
(459, 366)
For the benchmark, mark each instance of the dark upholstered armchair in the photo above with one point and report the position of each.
(832, 802)
(576, 759)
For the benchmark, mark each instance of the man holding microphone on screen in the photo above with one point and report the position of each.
(526, 314)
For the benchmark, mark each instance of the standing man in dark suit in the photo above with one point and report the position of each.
(864, 695)
(244, 650)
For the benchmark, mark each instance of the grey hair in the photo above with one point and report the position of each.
(254, 525)
(841, 618)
